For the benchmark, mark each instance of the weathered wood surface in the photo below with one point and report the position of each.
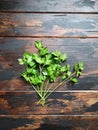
(49, 5)
(23, 24)
(59, 103)
(49, 123)
(76, 49)
(53, 22)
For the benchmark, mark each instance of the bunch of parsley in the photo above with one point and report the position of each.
(43, 69)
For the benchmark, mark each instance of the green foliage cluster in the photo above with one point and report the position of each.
(44, 68)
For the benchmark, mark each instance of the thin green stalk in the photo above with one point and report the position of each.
(68, 79)
(40, 69)
(48, 89)
(41, 101)
(36, 89)
(40, 72)
(53, 90)
(41, 90)
(46, 86)
(43, 66)
(56, 88)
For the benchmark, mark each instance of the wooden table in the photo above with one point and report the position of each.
(70, 26)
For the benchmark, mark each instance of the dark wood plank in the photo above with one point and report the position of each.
(48, 25)
(49, 5)
(67, 108)
(76, 49)
(49, 123)
(69, 103)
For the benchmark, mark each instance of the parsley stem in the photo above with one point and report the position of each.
(66, 80)
(41, 90)
(53, 90)
(38, 92)
(40, 70)
(48, 89)
(41, 101)
(56, 87)
(46, 86)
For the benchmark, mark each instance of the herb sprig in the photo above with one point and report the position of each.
(43, 69)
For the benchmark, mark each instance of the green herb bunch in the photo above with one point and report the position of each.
(44, 69)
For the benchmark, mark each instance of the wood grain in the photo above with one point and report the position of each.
(49, 122)
(60, 24)
(69, 103)
(76, 49)
(23, 24)
(49, 5)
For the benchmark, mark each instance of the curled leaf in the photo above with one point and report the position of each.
(63, 57)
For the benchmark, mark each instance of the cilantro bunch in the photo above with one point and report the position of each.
(44, 69)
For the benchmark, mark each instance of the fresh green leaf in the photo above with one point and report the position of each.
(68, 73)
(24, 75)
(21, 62)
(63, 57)
(36, 80)
(45, 73)
(29, 70)
(76, 68)
(68, 67)
(74, 80)
(56, 58)
(26, 55)
(32, 64)
(81, 66)
(56, 53)
(34, 56)
(44, 51)
(42, 77)
(52, 79)
(78, 73)
(48, 62)
(37, 58)
(28, 60)
(63, 69)
(38, 45)
(48, 56)
(64, 77)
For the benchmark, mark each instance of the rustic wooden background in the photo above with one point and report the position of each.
(70, 26)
